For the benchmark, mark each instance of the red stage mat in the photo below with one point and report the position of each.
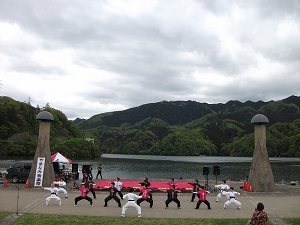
(155, 184)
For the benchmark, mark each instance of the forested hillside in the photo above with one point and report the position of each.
(163, 128)
(192, 128)
(19, 131)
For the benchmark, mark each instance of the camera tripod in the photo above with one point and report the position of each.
(207, 187)
(74, 186)
(18, 196)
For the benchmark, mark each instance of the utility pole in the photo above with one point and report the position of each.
(29, 103)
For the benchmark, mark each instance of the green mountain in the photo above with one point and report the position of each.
(193, 128)
(19, 131)
(162, 128)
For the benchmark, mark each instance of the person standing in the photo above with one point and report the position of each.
(90, 172)
(61, 186)
(145, 196)
(201, 193)
(84, 190)
(195, 185)
(231, 195)
(54, 191)
(131, 203)
(90, 184)
(172, 196)
(112, 195)
(84, 176)
(118, 185)
(223, 187)
(99, 168)
(259, 216)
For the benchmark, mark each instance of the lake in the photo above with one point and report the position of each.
(187, 167)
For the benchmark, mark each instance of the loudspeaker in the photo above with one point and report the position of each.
(56, 167)
(74, 167)
(205, 170)
(85, 168)
(216, 170)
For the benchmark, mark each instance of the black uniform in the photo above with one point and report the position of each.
(195, 189)
(172, 196)
(112, 194)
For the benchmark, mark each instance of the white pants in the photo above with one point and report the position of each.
(55, 197)
(233, 201)
(61, 189)
(131, 204)
(220, 195)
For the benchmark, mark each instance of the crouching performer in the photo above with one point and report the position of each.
(61, 186)
(54, 191)
(223, 187)
(112, 195)
(84, 195)
(145, 195)
(231, 195)
(201, 193)
(172, 196)
(131, 203)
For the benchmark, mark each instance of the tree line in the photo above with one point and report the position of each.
(19, 132)
(182, 128)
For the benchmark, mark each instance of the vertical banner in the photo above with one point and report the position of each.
(38, 181)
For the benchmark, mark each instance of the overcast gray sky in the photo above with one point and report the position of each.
(90, 57)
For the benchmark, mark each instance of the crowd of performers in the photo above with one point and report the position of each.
(145, 194)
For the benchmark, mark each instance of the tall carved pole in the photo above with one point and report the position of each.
(261, 176)
(42, 153)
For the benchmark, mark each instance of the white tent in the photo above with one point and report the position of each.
(57, 157)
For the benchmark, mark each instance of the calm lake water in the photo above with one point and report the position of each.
(187, 167)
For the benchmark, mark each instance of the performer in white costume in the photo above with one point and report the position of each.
(61, 186)
(223, 187)
(131, 203)
(231, 195)
(118, 185)
(54, 191)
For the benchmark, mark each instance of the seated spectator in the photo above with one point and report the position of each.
(259, 217)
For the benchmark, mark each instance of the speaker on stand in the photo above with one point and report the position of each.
(216, 172)
(56, 168)
(206, 172)
(74, 167)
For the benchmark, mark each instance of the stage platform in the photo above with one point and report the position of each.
(155, 184)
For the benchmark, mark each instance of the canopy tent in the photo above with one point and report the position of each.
(57, 157)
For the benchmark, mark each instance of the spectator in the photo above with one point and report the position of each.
(259, 217)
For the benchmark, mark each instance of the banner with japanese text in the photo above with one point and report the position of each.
(38, 181)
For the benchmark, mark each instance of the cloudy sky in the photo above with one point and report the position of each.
(90, 57)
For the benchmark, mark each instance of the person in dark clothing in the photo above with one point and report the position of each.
(145, 182)
(195, 185)
(99, 168)
(84, 177)
(90, 185)
(172, 196)
(112, 195)
(90, 172)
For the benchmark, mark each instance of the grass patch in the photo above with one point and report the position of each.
(292, 221)
(36, 219)
(3, 215)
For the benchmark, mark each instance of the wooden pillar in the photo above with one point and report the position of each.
(261, 176)
(43, 151)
